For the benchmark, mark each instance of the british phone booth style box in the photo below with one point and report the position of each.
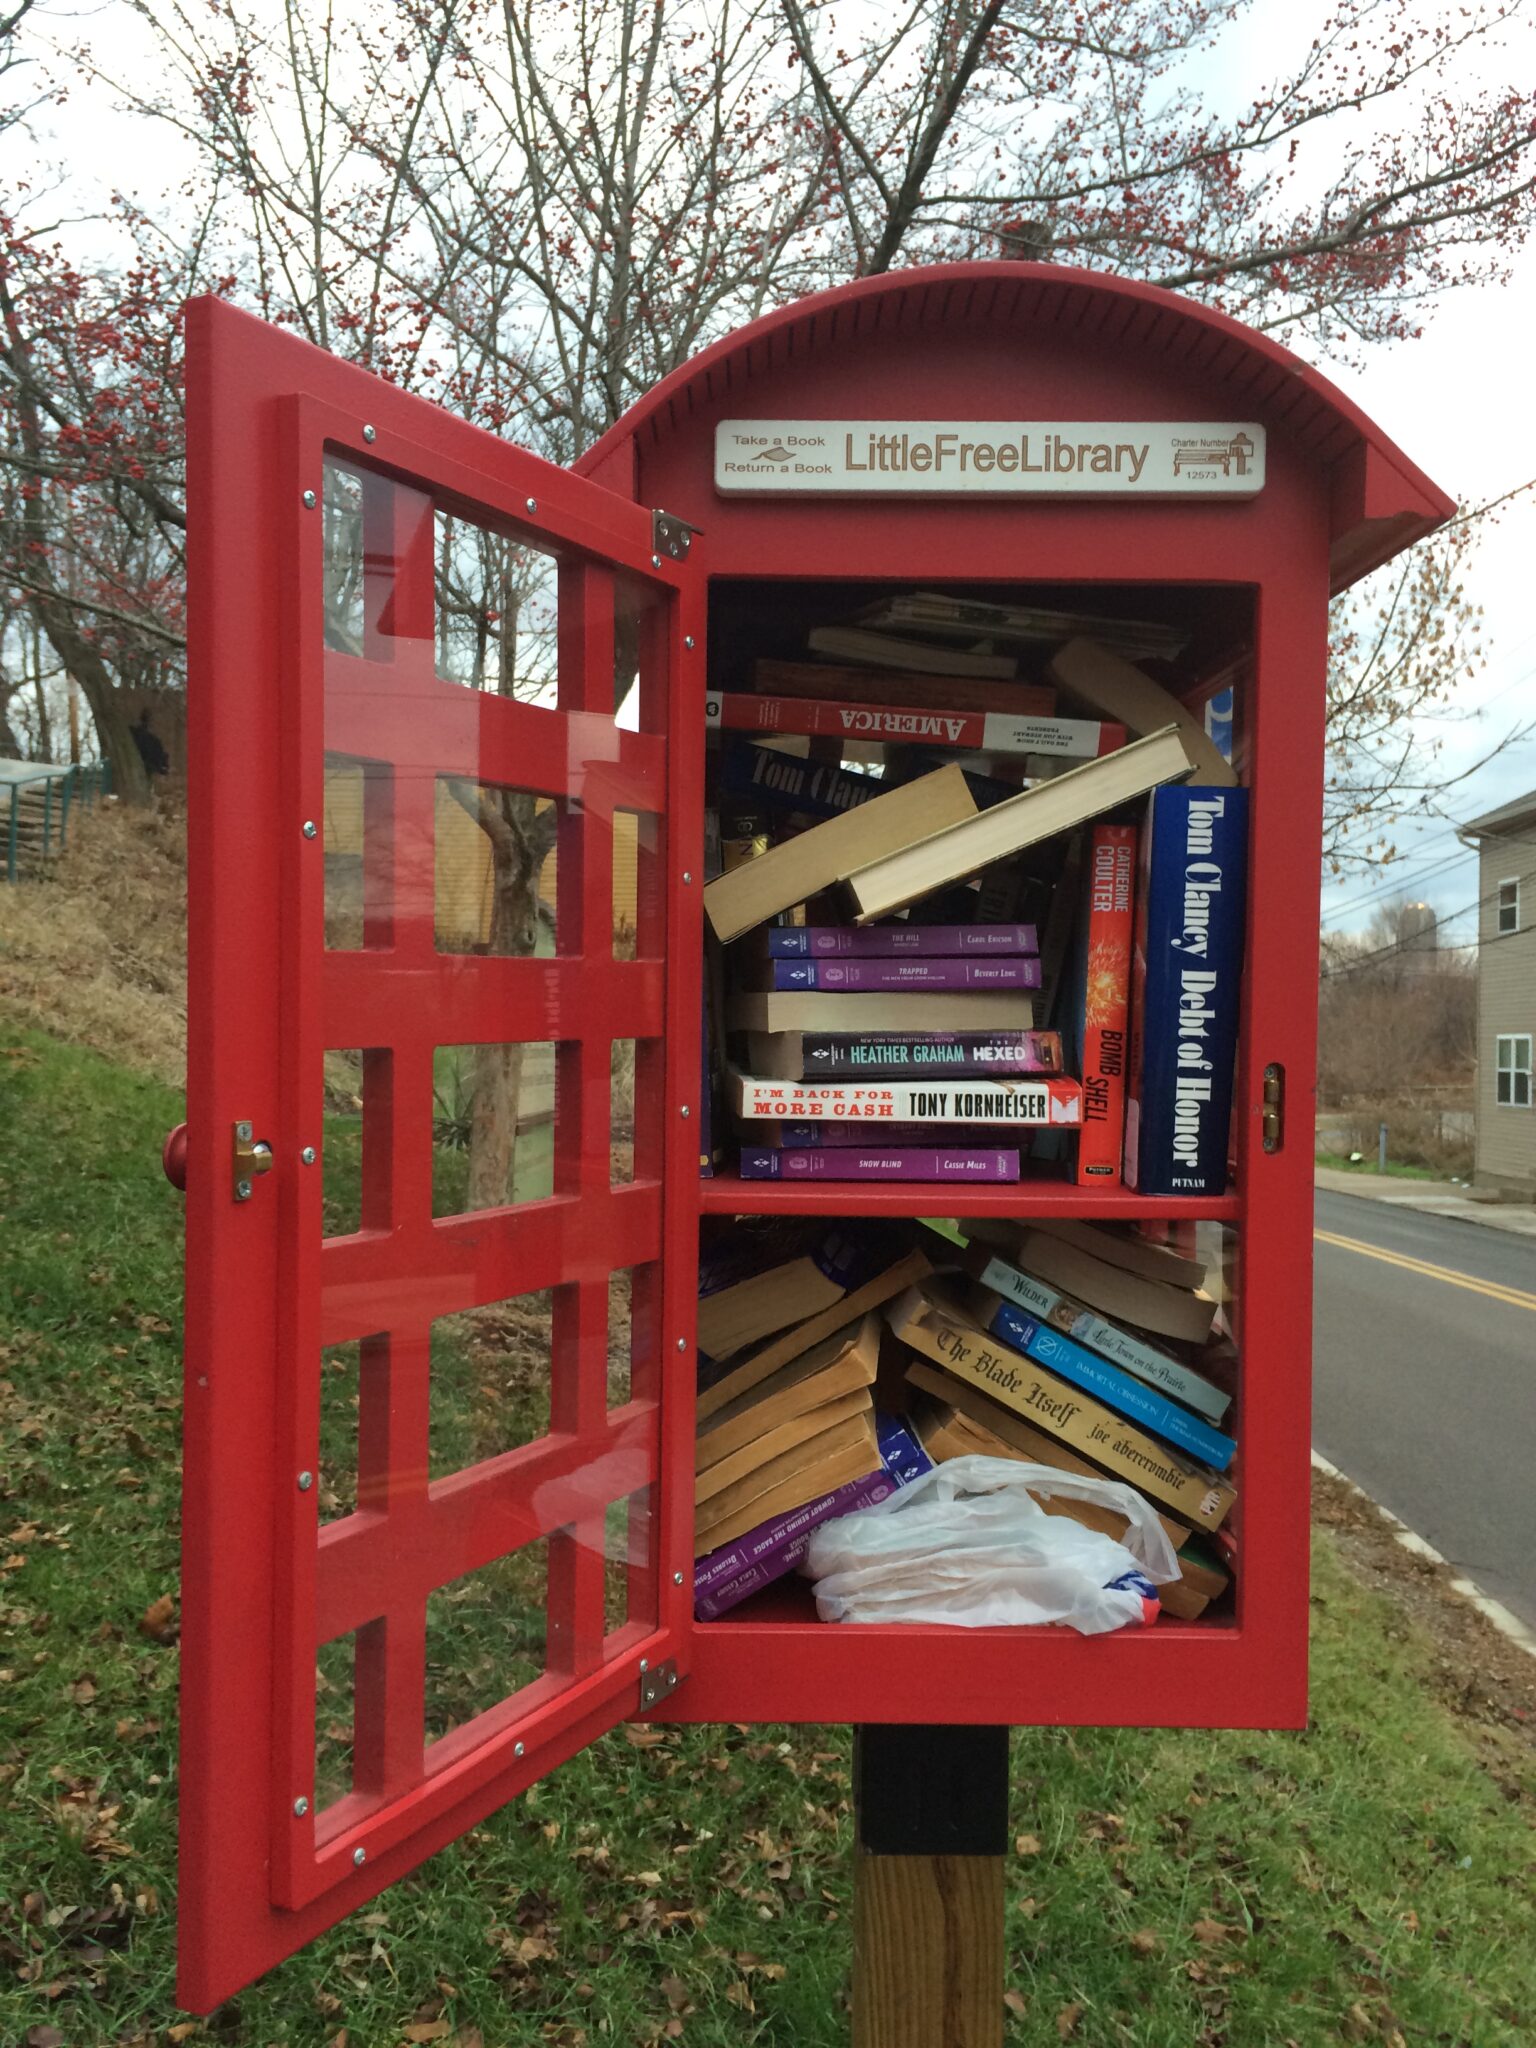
(418, 1576)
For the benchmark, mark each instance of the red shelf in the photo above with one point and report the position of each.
(727, 1194)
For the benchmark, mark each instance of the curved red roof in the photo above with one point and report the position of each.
(1382, 502)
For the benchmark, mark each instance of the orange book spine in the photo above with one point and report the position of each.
(1104, 998)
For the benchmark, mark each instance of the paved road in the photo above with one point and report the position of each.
(1425, 1389)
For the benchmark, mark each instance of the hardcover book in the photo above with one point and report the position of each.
(1116, 1389)
(974, 732)
(816, 789)
(1101, 680)
(1101, 1000)
(881, 650)
(885, 975)
(1192, 1492)
(898, 941)
(891, 880)
(855, 1163)
(806, 1056)
(1133, 1354)
(930, 612)
(937, 1101)
(891, 686)
(1187, 990)
(806, 865)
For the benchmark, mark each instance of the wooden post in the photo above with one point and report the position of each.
(930, 1834)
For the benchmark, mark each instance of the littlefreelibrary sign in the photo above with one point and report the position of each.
(1003, 458)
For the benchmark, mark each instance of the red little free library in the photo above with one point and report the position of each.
(1098, 466)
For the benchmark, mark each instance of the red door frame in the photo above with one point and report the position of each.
(257, 1880)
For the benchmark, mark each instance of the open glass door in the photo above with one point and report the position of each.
(440, 1185)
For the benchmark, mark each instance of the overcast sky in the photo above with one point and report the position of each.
(1455, 400)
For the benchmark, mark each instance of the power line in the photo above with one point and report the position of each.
(1442, 863)
(1349, 967)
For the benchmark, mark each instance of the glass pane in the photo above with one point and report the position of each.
(493, 729)
(490, 1380)
(493, 1126)
(335, 1720)
(498, 613)
(629, 1567)
(486, 1638)
(497, 869)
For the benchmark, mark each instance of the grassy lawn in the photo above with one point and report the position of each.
(1341, 1162)
(1368, 1880)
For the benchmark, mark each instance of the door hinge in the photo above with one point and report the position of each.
(671, 536)
(656, 1682)
(1274, 1108)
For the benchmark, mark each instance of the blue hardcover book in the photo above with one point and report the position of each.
(819, 789)
(1116, 1389)
(1186, 989)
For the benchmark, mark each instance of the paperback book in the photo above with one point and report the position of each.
(1054, 1101)
(805, 1055)
(857, 1163)
(882, 942)
(930, 973)
(1116, 1389)
(1100, 1022)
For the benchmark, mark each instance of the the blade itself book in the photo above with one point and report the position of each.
(1187, 990)
(951, 852)
(1191, 1491)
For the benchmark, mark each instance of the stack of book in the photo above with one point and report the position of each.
(787, 1430)
(1089, 1348)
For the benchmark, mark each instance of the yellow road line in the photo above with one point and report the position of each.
(1513, 1296)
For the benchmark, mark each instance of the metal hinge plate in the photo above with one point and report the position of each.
(656, 1683)
(670, 536)
(1273, 1121)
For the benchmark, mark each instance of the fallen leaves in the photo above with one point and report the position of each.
(1026, 1845)
(1067, 2021)
(159, 1620)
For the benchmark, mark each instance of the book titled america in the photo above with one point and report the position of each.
(1056, 1100)
(1186, 982)
(974, 732)
(889, 1055)
(931, 973)
(838, 1162)
(898, 941)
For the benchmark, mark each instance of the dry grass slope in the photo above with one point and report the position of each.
(95, 953)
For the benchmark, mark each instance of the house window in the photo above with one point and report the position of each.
(1512, 1081)
(1509, 907)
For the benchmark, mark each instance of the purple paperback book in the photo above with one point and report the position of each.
(836, 1162)
(898, 941)
(893, 1137)
(771, 1550)
(849, 975)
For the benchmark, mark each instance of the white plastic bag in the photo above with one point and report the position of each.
(967, 1543)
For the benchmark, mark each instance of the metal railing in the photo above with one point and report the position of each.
(35, 821)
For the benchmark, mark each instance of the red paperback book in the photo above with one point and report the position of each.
(1104, 1000)
(973, 732)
